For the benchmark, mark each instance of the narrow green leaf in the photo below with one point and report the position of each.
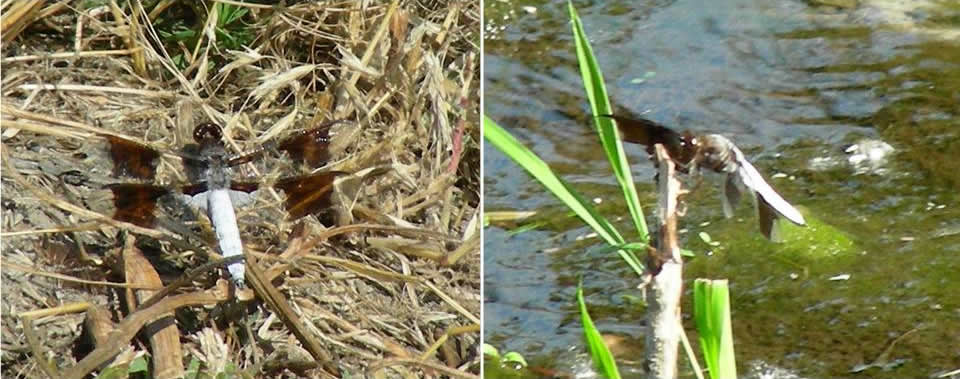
(600, 105)
(536, 167)
(711, 301)
(602, 358)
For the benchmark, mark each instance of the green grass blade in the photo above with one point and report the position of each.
(503, 141)
(599, 104)
(602, 358)
(711, 301)
(228, 14)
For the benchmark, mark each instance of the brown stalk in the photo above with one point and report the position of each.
(471, 245)
(130, 38)
(163, 334)
(98, 323)
(450, 332)
(133, 323)
(276, 301)
(20, 15)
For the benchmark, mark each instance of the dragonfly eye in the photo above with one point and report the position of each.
(207, 133)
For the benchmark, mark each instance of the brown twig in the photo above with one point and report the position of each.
(36, 348)
(188, 278)
(452, 331)
(276, 301)
(163, 334)
(133, 323)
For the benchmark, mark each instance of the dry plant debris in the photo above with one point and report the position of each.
(385, 285)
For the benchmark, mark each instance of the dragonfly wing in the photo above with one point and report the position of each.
(768, 217)
(729, 194)
(765, 194)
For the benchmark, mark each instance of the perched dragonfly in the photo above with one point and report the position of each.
(717, 153)
(213, 189)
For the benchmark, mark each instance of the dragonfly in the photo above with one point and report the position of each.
(213, 188)
(692, 152)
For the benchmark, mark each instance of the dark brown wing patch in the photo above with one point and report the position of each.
(132, 158)
(247, 187)
(648, 133)
(194, 188)
(135, 202)
(307, 194)
(306, 146)
(309, 146)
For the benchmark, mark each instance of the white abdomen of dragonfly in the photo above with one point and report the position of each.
(224, 219)
(219, 201)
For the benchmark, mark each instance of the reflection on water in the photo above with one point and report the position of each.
(790, 82)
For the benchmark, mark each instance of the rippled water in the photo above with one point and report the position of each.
(793, 83)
